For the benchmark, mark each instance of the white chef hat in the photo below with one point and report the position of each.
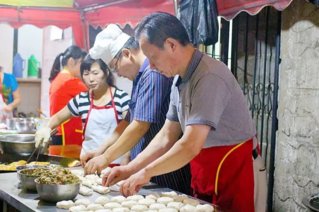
(108, 43)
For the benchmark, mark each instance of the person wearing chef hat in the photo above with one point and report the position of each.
(148, 106)
(209, 108)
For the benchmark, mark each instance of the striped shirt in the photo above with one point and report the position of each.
(80, 104)
(150, 103)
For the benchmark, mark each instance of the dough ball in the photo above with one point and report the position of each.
(98, 181)
(118, 199)
(104, 210)
(180, 198)
(176, 205)
(77, 208)
(129, 203)
(165, 200)
(192, 202)
(138, 208)
(85, 191)
(88, 183)
(101, 189)
(120, 183)
(106, 170)
(112, 205)
(153, 196)
(146, 202)
(78, 172)
(151, 211)
(188, 208)
(102, 200)
(135, 197)
(204, 208)
(121, 210)
(157, 206)
(84, 202)
(92, 177)
(168, 210)
(94, 207)
(169, 194)
(65, 204)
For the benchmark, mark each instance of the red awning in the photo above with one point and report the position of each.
(228, 9)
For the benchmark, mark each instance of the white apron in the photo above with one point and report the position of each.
(99, 125)
(3, 114)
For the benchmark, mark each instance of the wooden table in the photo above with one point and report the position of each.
(70, 151)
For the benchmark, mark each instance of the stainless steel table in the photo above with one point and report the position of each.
(28, 201)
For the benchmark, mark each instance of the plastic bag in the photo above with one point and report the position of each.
(199, 17)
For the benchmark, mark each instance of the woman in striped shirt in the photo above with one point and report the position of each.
(101, 108)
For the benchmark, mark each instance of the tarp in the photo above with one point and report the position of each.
(38, 3)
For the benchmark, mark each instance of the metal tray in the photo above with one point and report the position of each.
(54, 160)
(309, 202)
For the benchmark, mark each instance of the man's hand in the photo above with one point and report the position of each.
(133, 184)
(117, 174)
(96, 164)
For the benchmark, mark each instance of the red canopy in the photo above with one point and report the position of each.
(103, 12)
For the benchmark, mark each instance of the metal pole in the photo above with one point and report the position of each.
(224, 34)
(255, 65)
(246, 54)
(176, 7)
(264, 82)
(274, 118)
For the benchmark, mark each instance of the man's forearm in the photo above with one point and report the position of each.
(129, 138)
(15, 103)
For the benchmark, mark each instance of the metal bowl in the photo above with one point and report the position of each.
(28, 182)
(56, 193)
(22, 144)
(19, 168)
(25, 124)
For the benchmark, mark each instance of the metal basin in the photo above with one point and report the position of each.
(312, 202)
(22, 144)
(56, 193)
(25, 124)
(27, 181)
(19, 168)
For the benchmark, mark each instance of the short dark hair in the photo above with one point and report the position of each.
(87, 63)
(131, 43)
(159, 26)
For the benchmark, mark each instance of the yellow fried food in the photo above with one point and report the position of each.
(7, 168)
(74, 163)
(39, 163)
(18, 163)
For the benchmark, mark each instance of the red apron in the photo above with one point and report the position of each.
(224, 176)
(72, 131)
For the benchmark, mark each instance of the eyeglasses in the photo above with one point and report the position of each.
(117, 65)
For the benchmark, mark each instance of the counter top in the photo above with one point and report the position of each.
(28, 201)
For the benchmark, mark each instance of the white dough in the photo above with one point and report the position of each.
(112, 205)
(151, 211)
(85, 191)
(101, 189)
(77, 208)
(157, 206)
(84, 202)
(129, 204)
(78, 172)
(138, 208)
(65, 204)
(180, 198)
(168, 210)
(98, 181)
(91, 177)
(94, 207)
(188, 208)
(204, 208)
(169, 194)
(135, 197)
(165, 200)
(192, 202)
(146, 202)
(88, 183)
(176, 205)
(118, 199)
(121, 210)
(102, 200)
(104, 210)
(120, 183)
(153, 196)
